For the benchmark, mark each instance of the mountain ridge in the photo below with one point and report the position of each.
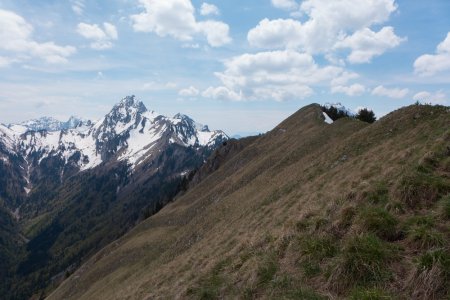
(286, 214)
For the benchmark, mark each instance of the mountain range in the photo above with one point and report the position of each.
(143, 206)
(69, 188)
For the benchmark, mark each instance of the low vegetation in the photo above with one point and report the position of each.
(347, 211)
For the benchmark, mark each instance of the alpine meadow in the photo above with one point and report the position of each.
(323, 172)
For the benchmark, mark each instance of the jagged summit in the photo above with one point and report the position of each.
(130, 102)
(129, 132)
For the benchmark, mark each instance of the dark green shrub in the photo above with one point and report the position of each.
(366, 115)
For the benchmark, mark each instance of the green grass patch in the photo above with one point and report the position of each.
(445, 207)
(209, 286)
(364, 260)
(426, 237)
(422, 232)
(422, 189)
(379, 194)
(439, 257)
(267, 269)
(317, 247)
(380, 222)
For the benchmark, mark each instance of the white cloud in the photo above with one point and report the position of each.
(366, 44)
(78, 6)
(351, 90)
(285, 4)
(327, 24)
(189, 92)
(101, 38)
(221, 93)
(431, 64)
(209, 9)
(280, 33)
(217, 33)
(396, 93)
(175, 18)
(274, 75)
(427, 97)
(16, 38)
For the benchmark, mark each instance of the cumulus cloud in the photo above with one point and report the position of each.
(330, 25)
(366, 44)
(431, 64)
(396, 93)
(279, 33)
(189, 92)
(101, 37)
(209, 9)
(351, 90)
(221, 93)
(285, 4)
(434, 98)
(272, 75)
(16, 39)
(175, 18)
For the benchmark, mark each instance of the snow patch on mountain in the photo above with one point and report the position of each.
(129, 132)
(328, 120)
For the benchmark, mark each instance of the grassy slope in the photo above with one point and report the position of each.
(306, 211)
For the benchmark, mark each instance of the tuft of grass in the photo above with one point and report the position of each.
(346, 217)
(380, 222)
(445, 207)
(421, 232)
(317, 247)
(313, 250)
(209, 286)
(439, 257)
(422, 189)
(426, 237)
(267, 269)
(430, 281)
(364, 260)
(379, 194)
(369, 294)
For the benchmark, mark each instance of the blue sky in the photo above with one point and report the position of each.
(240, 66)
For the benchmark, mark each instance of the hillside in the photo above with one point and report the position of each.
(309, 210)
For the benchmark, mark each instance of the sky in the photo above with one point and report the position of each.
(240, 66)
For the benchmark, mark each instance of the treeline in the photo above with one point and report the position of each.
(364, 114)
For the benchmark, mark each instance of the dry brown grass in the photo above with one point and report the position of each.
(238, 233)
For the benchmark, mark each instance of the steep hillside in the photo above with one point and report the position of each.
(309, 210)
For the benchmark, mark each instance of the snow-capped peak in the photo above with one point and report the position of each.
(129, 132)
